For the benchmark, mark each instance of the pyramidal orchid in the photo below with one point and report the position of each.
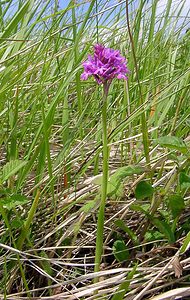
(105, 65)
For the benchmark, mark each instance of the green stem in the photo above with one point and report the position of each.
(101, 213)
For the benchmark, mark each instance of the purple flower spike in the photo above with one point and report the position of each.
(105, 65)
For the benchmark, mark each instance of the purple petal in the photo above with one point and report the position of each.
(84, 76)
(121, 76)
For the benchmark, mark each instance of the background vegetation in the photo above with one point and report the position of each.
(50, 151)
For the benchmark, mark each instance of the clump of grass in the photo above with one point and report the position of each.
(50, 145)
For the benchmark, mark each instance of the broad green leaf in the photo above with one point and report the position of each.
(90, 205)
(143, 190)
(13, 201)
(176, 205)
(121, 224)
(115, 181)
(173, 142)
(141, 208)
(183, 178)
(185, 185)
(17, 223)
(11, 168)
(120, 251)
(165, 228)
(115, 184)
(121, 173)
(153, 235)
(115, 188)
(186, 244)
(5, 192)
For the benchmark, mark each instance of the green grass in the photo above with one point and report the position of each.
(51, 150)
